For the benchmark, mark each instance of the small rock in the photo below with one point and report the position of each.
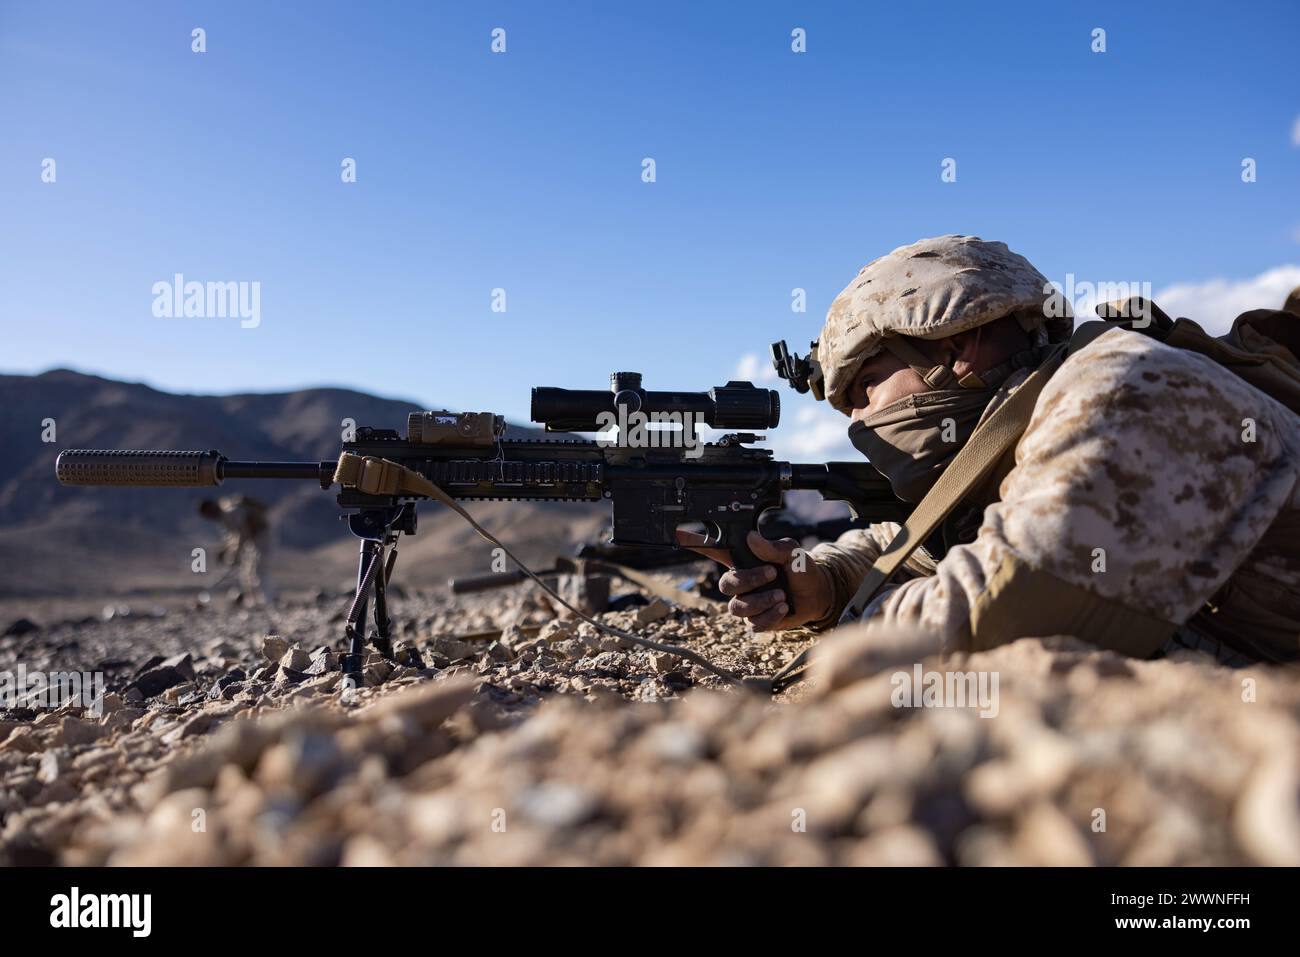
(77, 731)
(21, 739)
(19, 627)
(570, 648)
(51, 767)
(451, 648)
(558, 630)
(176, 692)
(552, 804)
(183, 664)
(428, 706)
(274, 648)
(157, 680)
(611, 662)
(656, 610)
(295, 659)
(322, 663)
(106, 702)
(660, 662)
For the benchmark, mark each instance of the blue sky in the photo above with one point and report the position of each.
(522, 171)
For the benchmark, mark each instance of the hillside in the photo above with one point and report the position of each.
(57, 541)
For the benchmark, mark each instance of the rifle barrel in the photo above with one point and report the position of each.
(174, 469)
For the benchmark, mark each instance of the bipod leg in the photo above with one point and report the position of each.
(382, 640)
(368, 568)
(383, 623)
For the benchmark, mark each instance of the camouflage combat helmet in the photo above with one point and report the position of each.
(932, 289)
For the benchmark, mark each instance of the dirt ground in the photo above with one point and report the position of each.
(504, 735)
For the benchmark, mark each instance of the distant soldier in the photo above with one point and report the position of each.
(246, 527)
(1293, 301)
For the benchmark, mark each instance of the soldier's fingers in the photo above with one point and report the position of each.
(776, 550)
(693, 541)
(738, 581)
(756, 603)
(771, 619)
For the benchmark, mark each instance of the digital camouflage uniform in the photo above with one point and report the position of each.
(1153, 500)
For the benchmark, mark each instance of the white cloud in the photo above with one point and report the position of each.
(752, 368)
(1216, 302)
(816, 433)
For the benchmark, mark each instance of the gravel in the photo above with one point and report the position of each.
(503, 734)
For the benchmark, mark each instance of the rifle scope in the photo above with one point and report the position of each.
(736, 405)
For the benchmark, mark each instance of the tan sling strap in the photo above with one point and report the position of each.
(375, 476)
(970, 466)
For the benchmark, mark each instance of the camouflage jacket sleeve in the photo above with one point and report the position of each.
(1145, 478)
(847, 560)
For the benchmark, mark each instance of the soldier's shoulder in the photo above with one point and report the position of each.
(1129, 368)
(1122, 354)
(1127, 382)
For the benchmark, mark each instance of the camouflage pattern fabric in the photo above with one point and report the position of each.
(1149, 483)
(933, 289)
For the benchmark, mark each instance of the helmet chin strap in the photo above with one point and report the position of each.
(945, 377)
(935, 376)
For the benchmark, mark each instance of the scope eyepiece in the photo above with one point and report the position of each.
(736, 405)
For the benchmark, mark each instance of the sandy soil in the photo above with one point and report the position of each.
(518, 738)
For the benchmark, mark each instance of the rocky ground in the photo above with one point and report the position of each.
(506, 735)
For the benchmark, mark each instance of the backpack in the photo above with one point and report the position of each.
(1262, 347)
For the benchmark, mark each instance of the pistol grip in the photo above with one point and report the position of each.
(744, 557)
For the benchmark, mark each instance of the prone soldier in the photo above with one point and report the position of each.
(1151, 502)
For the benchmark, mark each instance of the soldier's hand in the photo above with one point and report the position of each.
(753, 594)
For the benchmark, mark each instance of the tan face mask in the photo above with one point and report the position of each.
(911, 441)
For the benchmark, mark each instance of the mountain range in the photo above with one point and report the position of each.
(57, 541)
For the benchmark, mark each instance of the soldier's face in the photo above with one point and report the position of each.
(883, 379)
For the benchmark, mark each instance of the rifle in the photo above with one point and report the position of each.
(654, 480)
